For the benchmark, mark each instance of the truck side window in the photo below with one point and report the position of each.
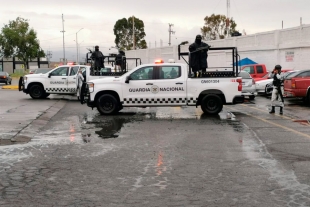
(74, 70)
(169, 72)
(143, 74)
(259, 69)
(249, 69)
(62, 71)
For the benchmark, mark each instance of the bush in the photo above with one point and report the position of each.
(19, 73)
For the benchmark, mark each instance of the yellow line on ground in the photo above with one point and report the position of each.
(282, 116)
(10, 87)
(278, 125)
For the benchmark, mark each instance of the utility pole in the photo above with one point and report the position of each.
(170, 32)
(77, 46)
(63, 40)
(133, 32)
(49, 56)
(228, 17)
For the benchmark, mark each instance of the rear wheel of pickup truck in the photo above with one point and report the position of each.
(107, 104)
(36, 92)
(211, 104)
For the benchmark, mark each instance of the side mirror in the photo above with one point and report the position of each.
(127, 79)
(49, 75)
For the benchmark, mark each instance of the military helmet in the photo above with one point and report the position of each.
(278, 67)
(198, 37)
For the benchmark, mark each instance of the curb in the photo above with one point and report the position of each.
(12, 87)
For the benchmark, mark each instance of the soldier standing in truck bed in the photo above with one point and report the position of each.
(98, 59)
(198, 56)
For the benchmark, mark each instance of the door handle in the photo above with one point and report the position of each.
(179, 83)
(149, 84)
(64, 78)
(74, 78)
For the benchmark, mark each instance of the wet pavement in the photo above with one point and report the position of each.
(69, 155)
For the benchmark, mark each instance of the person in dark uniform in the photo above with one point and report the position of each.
(278, 89)
(98, 59)
(120, 60)
(198, 56)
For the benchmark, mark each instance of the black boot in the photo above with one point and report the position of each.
(281, 110)
(272, 110)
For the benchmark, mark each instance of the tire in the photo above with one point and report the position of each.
(211, 104)
(252, 97)
(10, 82)
(46, 95)
(107, 104)
(36, 92)
(266, 92)
(21, 84)
(7, 82)
(308, 98)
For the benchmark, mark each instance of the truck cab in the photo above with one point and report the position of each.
(255, 70)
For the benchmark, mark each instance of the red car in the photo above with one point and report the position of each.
(297, 84)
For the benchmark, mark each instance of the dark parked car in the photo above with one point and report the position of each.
(5, 78)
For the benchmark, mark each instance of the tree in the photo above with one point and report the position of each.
(123, 31)
(18, 40)
(215, 27)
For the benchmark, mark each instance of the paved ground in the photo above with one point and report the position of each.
(152, 156)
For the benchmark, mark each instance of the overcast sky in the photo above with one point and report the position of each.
(97, 18)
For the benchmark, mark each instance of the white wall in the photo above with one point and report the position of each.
(270, 48)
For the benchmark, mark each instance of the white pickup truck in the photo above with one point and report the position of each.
(166, 84)
(61, 80)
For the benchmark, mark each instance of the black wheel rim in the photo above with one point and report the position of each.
(212, 104)
(36, 91)
(107, 104)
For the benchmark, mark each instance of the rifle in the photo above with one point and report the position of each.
(280, 92)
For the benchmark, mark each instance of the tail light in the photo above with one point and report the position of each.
(253, 81)
(4, 76)
(293, 84)
(240, 84)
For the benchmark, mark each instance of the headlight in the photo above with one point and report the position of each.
(91, 87)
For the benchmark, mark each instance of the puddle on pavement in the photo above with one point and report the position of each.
(19, 139)
(110, 126)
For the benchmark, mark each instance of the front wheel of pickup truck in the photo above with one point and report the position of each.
(107, 104)
(36, 92)
(211, 104)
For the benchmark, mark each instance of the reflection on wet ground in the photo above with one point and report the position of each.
(110, 126)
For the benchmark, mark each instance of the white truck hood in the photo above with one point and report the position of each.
(36, 75)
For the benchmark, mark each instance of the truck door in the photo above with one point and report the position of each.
(72, 79)
(140, 90)
(171, 85)
(57, 80)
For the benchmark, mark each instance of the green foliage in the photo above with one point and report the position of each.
(123, 31)
(215, 27)
(19, 73)
(17, 39)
